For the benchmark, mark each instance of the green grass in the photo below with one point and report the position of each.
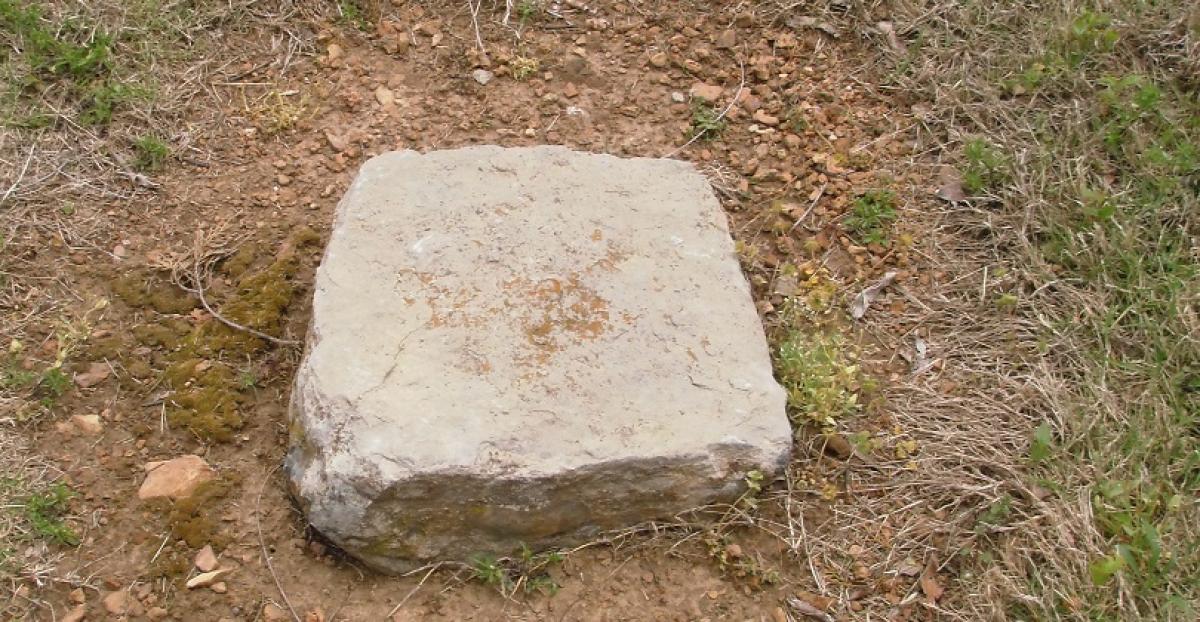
(150, 153)
(820, 375)
(871, 217)
(706, 121)
(44, 511)
(1098, 181)
(527, 573)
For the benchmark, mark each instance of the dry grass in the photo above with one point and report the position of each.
(1057, 470)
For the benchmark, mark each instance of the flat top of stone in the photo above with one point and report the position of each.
(528, 310)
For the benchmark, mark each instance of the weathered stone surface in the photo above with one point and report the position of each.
(525, 346)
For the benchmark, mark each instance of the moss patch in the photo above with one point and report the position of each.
(207, 392)
(144, 288)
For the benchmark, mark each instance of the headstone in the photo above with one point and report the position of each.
(526, 346)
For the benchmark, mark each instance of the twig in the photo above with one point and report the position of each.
(475, 6)
(736, 94)
(412, 591)
(263, 545)
(20, 175)
(199, 291)
(811, 206)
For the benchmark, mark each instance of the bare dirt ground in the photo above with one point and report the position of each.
(921, 425)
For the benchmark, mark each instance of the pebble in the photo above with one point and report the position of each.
(726, 40)
(76, 614)
(77, 596)
(678, 97)
(157, 613)
(384, 96)
(116, 602)
(482, 76)
(766, 119)
(177, 478)
(206, 559)
(273, 613)
(570, 90)
(334, 50)
(206, 579)
(219, 587)
(659, 60)
(709, 92)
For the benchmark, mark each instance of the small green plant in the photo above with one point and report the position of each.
(45, 510)
(822, 382)
(706, 121)
(150, 153)
(528, 572)
(871, 217)
(985, 166)
(526, 9)
(54, 382)
(1089, 34)
(247, 380)
(523, 67)
(351, 14)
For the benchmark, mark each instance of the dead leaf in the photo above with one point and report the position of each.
(929, 584)
(804, 21)
(952, 191)
(889, 31)
(908, 567)
(95, 374)
(863, 300)
(803, 608)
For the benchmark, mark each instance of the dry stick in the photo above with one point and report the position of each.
(412, 591)
(263, 545)
(230, 323)
(20, 175)
(732, 101)
(475, 6)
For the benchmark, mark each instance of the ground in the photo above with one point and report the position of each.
(1004, 427)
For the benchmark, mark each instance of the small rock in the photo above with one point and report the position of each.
(384, 96)
(206, 579)
(710, 92)
(87, 424)
(219, 587)
(157, 613)
(206, 559)
(659, 60)
(75, 615)
(779, 615)
(838, 444)
(116, 602)
(339, 143)
(283, 180)
(727, 40)
(96, 373)
(77, 596)
(570, 90)
(678, 97)
(482, 76)
(745, 20)
(733, 551)
(177, 478)
(334, 50)
(766, 119)
(120, 251)
(273, 613)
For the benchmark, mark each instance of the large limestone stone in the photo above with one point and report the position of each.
(525, 346)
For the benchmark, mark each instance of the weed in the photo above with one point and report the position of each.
(45, 509)
(985, 168)
(528, 572)
(817, 372)
(150, 153)
(527, 9)
(706, 121)
(54, 382)
(523, 67)
(734, 562)
(870, 219)
(351, 14)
